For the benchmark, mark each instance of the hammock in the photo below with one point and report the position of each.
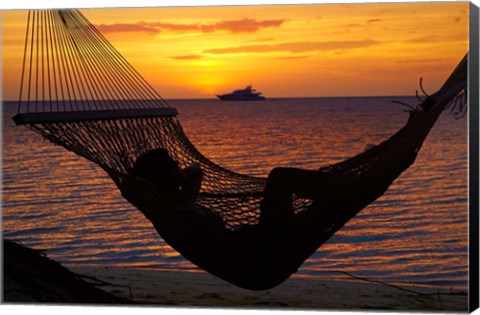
(78, 92)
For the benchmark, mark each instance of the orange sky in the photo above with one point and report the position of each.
(284, 51)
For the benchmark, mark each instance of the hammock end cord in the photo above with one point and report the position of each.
(451, 96)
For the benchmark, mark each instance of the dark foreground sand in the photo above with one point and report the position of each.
(202, 289)
(31, 277)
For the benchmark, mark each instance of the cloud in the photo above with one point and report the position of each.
(187, 57)
(424, 39)
(421, 61)
(351, 25)
(438, 39)
(126, 28)
(232, 26)
(246, 25)
(365, 24)
(395, 11)
(292, 57)
(262, 40)
(295, 47)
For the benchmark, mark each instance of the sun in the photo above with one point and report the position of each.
(209, 85)
(207, 75)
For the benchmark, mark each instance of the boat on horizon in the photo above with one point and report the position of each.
(246, 94)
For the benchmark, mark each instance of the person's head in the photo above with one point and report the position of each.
(158, 167)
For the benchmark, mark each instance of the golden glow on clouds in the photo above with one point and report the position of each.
(295, 50)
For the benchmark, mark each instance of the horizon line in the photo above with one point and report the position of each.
(212, 98)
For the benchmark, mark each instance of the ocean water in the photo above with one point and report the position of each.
(415, 233)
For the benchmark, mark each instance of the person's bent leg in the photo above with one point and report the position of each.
(282, 183)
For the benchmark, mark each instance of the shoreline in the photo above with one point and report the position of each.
(200, 289)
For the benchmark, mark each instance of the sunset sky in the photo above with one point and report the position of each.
(284, 51)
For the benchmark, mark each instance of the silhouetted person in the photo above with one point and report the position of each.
(158, 167)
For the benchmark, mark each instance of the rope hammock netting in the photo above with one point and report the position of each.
(78, 92)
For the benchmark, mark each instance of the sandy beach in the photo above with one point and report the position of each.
(172, 288)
